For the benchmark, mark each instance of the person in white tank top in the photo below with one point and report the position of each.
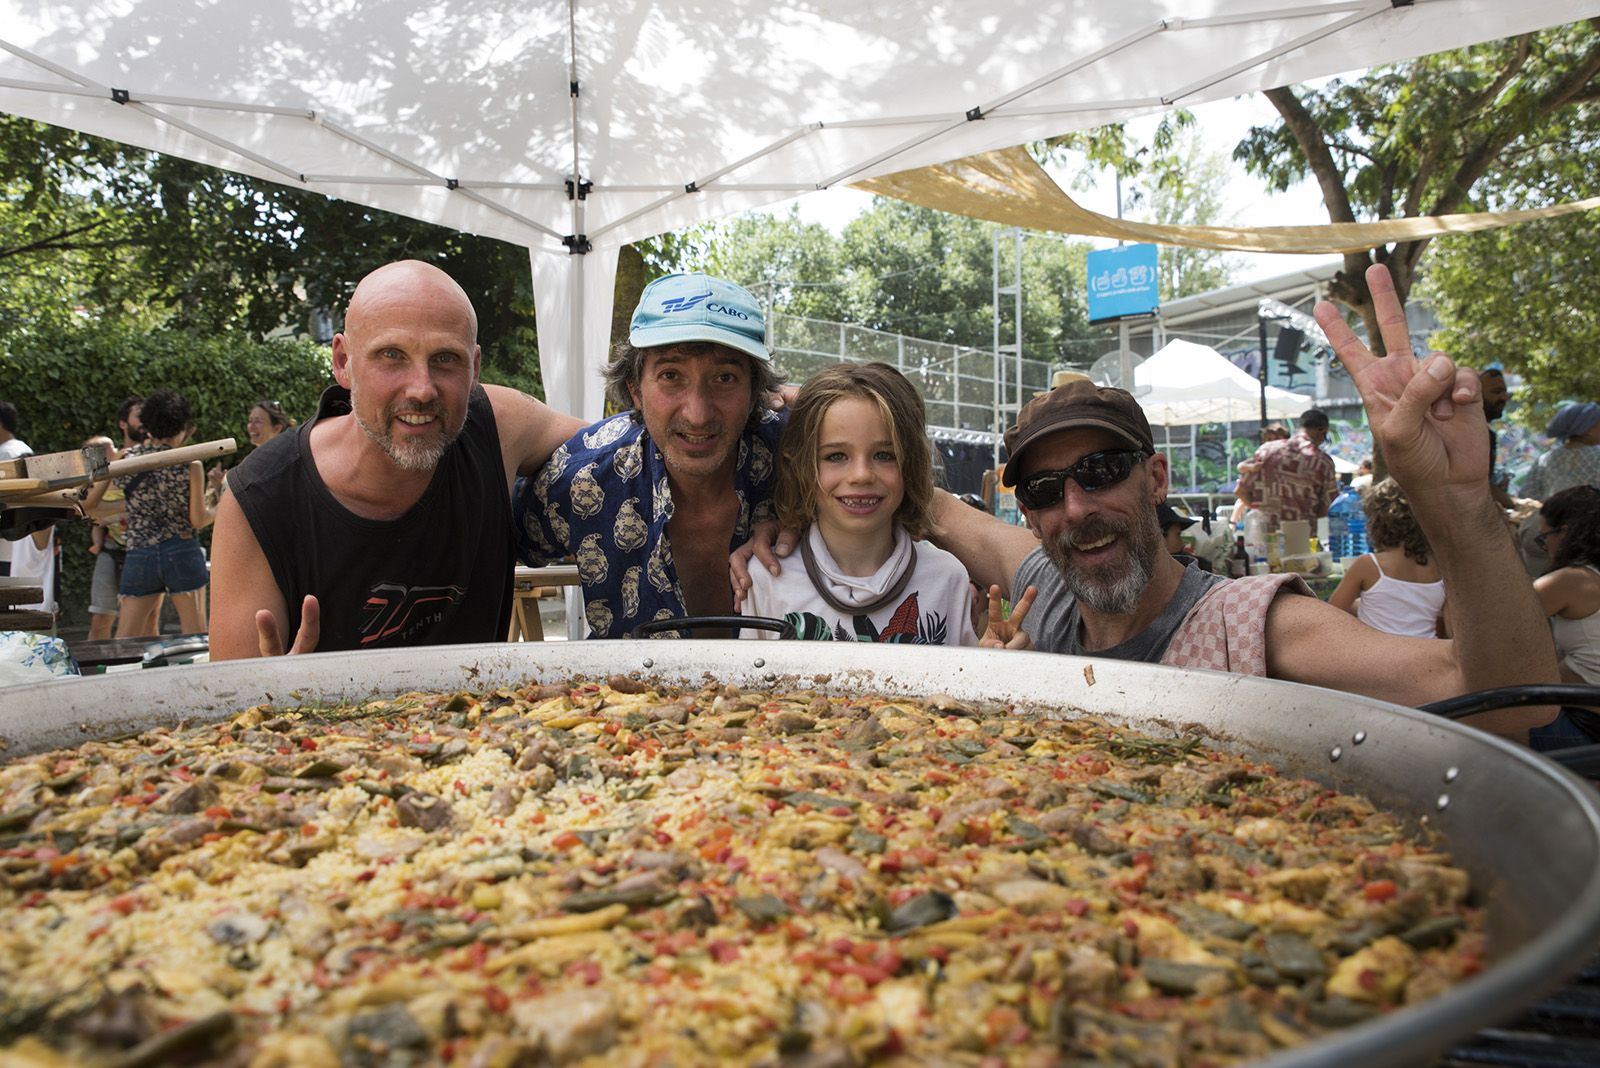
(1569, 592)
(1397, 587)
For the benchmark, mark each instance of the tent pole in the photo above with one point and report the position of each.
(1194, 468)
(1261, 365)
(999, 427)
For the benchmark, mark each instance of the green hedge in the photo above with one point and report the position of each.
(67, 385)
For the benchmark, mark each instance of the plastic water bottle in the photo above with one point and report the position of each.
(1255, 535)
(1357, 531)
(1347, 526)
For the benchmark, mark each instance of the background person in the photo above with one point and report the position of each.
(1397, 587)
(32, 555)
(855, 479)
(1495, 398)
(163, 508)
(1247, 493)
(1576, 462)
(1570, 595)
(1172, 527)
(265, 422)
(11, 448)
(1362, 480)
(1296, 478)
(109, 539)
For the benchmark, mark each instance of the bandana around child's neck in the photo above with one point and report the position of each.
(858, 595)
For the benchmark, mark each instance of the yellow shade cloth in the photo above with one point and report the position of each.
(1009, 187)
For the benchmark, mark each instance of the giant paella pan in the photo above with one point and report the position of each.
(728, 852)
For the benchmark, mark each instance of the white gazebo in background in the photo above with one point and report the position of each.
(1186, 384)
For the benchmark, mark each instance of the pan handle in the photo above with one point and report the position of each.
(784, 628)
(1550, 693)
(1583, 760)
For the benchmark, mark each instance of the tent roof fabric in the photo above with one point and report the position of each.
(1007, 186)
(464, 114)
(576, 125)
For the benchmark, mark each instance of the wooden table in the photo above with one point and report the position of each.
(527, 587)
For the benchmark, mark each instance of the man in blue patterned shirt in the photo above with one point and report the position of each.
(652, 501)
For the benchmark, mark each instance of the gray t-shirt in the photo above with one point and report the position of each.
(1053, 622)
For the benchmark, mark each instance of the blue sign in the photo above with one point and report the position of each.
(1122, 282)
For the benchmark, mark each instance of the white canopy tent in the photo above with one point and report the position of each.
(573, 127)
(1185, 384)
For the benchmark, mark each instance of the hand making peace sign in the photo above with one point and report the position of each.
(1426, 415)
(1005, 632)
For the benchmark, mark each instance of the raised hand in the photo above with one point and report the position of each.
(1006, 632)
(1426, 415)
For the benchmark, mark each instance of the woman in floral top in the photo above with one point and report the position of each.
(164, 507)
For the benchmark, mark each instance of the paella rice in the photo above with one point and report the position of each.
(622, 874)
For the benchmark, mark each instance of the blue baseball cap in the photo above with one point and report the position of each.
(697, 307)
(1573, 420)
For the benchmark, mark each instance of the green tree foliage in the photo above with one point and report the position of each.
(67, 380)
(913, 270)
(1420, 138)
(790, 264)
(94, 227)
(1524, 296)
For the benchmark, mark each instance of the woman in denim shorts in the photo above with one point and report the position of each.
(164, 507)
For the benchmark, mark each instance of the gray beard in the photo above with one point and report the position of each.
(1108, 594)
(410, 456)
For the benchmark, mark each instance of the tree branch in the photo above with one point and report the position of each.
(1477, 159)
(1309, 137)
(55, 240)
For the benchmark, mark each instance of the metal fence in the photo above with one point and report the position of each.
(961, 387)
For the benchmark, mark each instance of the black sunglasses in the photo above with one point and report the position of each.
(1093, 472)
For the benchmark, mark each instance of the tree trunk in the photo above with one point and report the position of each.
(630, 284)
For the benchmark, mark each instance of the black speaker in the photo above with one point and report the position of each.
(1287, 351)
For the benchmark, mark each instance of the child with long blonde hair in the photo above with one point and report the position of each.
(855, 477)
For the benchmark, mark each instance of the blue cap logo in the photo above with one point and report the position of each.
(681, 308)
(678, 304)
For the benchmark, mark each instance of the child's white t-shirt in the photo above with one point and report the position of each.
(933, 606)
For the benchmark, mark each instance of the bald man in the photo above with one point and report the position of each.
(385, 520)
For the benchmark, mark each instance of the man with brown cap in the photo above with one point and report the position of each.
(1089, 480)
